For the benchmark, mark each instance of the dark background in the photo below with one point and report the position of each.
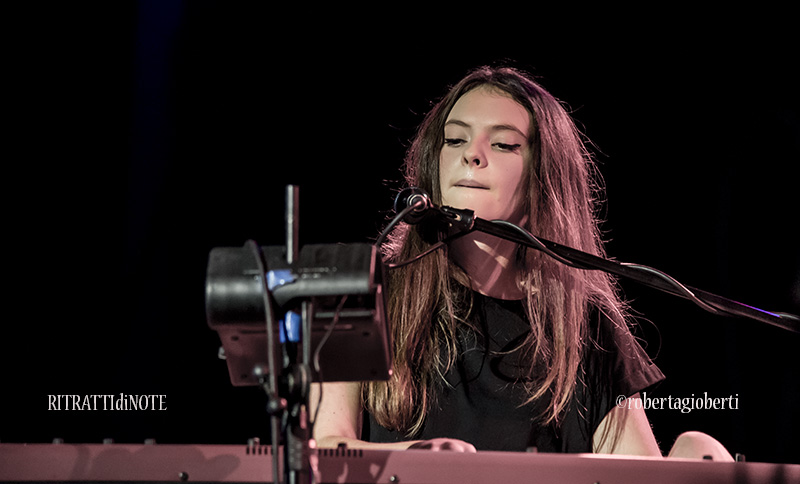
(147, 133)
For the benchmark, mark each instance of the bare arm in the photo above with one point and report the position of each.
(339, 417)
(339, 421)
(626, 430)
(634, 436)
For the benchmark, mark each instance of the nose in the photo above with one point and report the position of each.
(474, 155)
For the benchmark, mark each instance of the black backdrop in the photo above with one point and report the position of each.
(152, 132)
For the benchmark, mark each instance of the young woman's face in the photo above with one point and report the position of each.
(482, 162)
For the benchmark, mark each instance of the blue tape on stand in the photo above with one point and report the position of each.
(291, 324)
(279, 278)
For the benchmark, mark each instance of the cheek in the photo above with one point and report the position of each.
(445, 173)
(514, 187)
(512, 180)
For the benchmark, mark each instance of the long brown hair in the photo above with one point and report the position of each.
(429, 298)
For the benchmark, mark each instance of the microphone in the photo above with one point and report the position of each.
(417, 200)
(462, 219)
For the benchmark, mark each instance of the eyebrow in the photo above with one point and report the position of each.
(496, 127)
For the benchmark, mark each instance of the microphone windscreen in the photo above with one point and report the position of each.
(413, 197)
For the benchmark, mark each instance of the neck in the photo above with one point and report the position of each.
(490, 263)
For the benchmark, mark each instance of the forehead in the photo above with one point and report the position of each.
(485, 105)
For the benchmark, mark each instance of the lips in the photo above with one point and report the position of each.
(470, 184)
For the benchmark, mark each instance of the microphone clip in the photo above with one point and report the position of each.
(414, 205)
(462, 220)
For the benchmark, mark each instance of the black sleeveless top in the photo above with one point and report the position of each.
(482, 401)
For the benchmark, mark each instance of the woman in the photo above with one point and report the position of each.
(498, 347)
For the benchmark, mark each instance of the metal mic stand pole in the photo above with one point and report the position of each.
(298, 377)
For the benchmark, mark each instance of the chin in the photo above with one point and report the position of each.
(495, 213)
(489, 213)
(483, 204)
(478, 210)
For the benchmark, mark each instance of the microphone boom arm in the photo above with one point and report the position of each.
(653, 278)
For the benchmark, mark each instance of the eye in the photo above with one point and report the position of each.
(508, 147)
(453, 142)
